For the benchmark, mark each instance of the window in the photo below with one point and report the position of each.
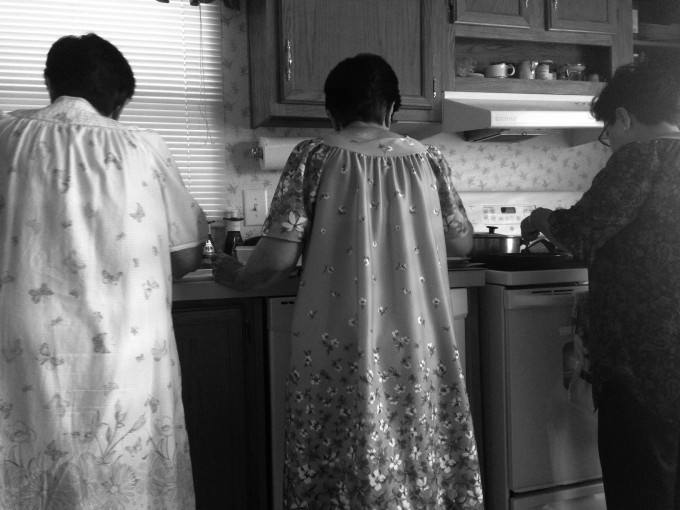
(175, 52)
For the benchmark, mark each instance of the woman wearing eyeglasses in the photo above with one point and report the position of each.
(627, 228)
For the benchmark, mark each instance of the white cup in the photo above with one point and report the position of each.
(499, 71)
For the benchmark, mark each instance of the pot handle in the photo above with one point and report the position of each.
(492, 230)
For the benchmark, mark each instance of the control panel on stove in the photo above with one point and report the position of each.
(505, 214)
(506, 218)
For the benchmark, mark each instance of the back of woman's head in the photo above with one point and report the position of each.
(361, 88)
(92, 68)
(649, 91)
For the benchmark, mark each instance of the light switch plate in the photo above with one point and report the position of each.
(254, 206)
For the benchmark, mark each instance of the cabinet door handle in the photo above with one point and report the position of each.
(289, 60)
(526, 4)
(555, 5)
(434, 87)
(451, 11)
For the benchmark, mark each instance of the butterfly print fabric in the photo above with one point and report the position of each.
(90, 392)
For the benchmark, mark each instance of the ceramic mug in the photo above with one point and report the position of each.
(499, 71)
(527, 69)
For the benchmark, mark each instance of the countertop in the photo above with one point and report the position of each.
(201, 285)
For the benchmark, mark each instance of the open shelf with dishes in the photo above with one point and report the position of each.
(479, 53)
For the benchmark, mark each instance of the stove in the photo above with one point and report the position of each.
(505, 210)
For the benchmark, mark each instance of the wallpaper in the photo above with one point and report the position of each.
(543, 163)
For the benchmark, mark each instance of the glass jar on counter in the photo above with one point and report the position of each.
(233, 227)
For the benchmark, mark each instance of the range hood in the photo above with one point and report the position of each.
(489, 116)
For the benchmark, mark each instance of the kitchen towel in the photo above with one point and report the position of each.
(275, 151)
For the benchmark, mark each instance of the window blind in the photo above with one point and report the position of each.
(175, 52)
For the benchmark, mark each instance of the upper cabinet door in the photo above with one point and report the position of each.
(597, 16)
(502, 13)
(315, 36)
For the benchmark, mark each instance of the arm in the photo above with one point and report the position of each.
(458, 231)
(272, 260)
(459, 245)
(613, 201)
(187, 224)
(186, 260)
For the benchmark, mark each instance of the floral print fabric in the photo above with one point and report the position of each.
(626, 227)
(90, 409)
(377, 412)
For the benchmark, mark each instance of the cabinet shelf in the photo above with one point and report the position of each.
(644, 43)
(515, 85)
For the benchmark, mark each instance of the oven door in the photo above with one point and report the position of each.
(552, 436)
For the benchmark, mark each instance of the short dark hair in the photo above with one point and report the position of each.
(363, 88)
(92, 68)
(650, 91)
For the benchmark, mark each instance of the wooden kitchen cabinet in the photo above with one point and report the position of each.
(221, 352)
(658, 39)
(499, 13)
(295, 43)
(538, 16)
(598, 16)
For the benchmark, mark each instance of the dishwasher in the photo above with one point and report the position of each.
(279, 327)
(540, 443)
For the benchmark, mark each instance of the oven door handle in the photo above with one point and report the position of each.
(540, 298)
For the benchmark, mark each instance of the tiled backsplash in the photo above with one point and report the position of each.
(544, 163)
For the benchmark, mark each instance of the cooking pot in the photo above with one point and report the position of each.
(490, 243)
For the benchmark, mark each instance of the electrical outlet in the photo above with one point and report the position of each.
(254, 206)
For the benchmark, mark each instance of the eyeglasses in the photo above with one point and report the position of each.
(604, 136)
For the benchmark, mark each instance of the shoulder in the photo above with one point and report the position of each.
(314, 149)
(435, 154)
(307, 146)
(150, 140)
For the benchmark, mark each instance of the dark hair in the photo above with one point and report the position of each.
(649, 91)
(92, 68)
(361, 88)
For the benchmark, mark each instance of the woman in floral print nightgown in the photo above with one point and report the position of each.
(94, 221)
(377, 412)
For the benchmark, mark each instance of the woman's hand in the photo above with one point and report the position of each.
(271, 261)
(529, 230)
(538, 223)
(225, 268)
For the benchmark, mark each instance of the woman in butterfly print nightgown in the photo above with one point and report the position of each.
(377, 413)
(93, 215)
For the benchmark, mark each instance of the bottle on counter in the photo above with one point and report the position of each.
(208, 250)
(233, 226)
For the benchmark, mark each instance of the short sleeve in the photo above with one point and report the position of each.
(454, 216)
(292, 207)
(612, 202)
(187, 224)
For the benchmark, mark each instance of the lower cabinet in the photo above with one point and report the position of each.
(221, 352)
